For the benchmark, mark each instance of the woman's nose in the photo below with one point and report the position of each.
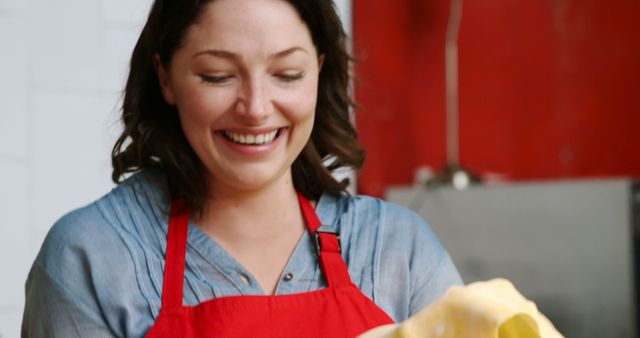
(254, 101)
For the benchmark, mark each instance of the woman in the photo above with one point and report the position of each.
(232, 110)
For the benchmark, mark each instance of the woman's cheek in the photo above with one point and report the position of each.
(204, 108)
(303, 102)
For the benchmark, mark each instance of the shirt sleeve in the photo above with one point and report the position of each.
(51, 310)
(72, 281)
(414, 269)
(428, 288)
(432, 271)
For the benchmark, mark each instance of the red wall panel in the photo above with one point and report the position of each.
(548, 89)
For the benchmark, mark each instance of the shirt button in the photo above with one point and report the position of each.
(245, 279)
(288, 277)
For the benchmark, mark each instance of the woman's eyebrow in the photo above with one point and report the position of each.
(287, 52)
(230, 55)
(217, 52)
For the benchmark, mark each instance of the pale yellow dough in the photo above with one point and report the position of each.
(491, 309)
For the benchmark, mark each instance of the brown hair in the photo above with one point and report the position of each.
(153, 136)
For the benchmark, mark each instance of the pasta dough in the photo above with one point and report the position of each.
(491, 309)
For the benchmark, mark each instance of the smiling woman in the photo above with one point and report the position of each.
(233, 226)
(208, 45)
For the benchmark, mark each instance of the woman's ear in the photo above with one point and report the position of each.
(163, 79)
(320, 62)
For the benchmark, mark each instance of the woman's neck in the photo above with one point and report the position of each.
(260, 229)
(237, 214)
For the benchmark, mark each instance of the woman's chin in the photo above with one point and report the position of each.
(254, 180)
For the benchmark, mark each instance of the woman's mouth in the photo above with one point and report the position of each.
(252, 139)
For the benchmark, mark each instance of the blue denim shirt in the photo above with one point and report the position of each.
(99, 272)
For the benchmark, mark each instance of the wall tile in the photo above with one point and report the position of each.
(13, 89)
(72, 146)
(119, 43)
(15, 233)
(133, 12)
(66, 44)
(9, 7)
(10, 320)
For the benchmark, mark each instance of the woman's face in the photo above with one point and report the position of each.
(245, 84)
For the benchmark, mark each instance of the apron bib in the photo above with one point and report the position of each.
(339, 310)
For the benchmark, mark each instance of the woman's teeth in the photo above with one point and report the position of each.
(265, 138)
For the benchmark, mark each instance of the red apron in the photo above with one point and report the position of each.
(339, 310)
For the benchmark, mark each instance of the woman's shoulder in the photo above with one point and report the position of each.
(371, 214)
(104, 229)
(370, 226)
(71, 241)
(397, 258)
(107, 252)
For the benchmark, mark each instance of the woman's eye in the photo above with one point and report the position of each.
(214, 78)
(289, 77)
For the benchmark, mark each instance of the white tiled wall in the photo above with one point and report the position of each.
(62, 67)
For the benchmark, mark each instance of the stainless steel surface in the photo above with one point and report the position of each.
(566, 245)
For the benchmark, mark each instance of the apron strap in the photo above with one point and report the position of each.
(175, 256)
(335, 269)
(331, 261)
